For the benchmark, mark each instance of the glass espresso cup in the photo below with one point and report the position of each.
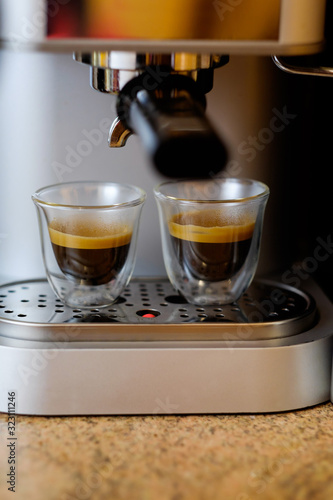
(88, 235)
(211, 232)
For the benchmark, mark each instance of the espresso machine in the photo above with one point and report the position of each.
(183, 89)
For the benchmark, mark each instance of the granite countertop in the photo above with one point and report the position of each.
(284, 456)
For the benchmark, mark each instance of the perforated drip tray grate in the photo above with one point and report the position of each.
(150, 309)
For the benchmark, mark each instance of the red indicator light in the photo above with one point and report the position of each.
(148, 313)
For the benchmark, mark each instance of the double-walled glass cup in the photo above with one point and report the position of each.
(211, 232)
(88, 235)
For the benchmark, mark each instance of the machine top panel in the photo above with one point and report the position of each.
(221, 26)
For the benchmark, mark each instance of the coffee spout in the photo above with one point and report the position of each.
(171, 123)
(161, 98)
(118, 134)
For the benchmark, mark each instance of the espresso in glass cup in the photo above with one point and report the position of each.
(88, 234)
(211, 232)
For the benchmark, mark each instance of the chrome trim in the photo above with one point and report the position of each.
(288, 67)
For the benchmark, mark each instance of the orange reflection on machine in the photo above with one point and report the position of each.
(165, 19)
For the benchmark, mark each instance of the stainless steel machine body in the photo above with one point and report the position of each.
(182, 360)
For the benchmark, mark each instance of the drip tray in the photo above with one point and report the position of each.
(151, 310)
(151, 352)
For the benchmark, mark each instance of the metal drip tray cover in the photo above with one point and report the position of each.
(151, 310)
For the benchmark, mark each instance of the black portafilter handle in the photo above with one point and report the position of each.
(169, 117)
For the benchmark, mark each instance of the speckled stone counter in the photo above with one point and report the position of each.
(286, 456)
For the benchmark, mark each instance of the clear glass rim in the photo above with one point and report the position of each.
(264, 193)
(137, 201)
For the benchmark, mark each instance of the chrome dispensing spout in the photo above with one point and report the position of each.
(161, 98)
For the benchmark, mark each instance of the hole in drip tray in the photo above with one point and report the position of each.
(175, 299)
(121, 300)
